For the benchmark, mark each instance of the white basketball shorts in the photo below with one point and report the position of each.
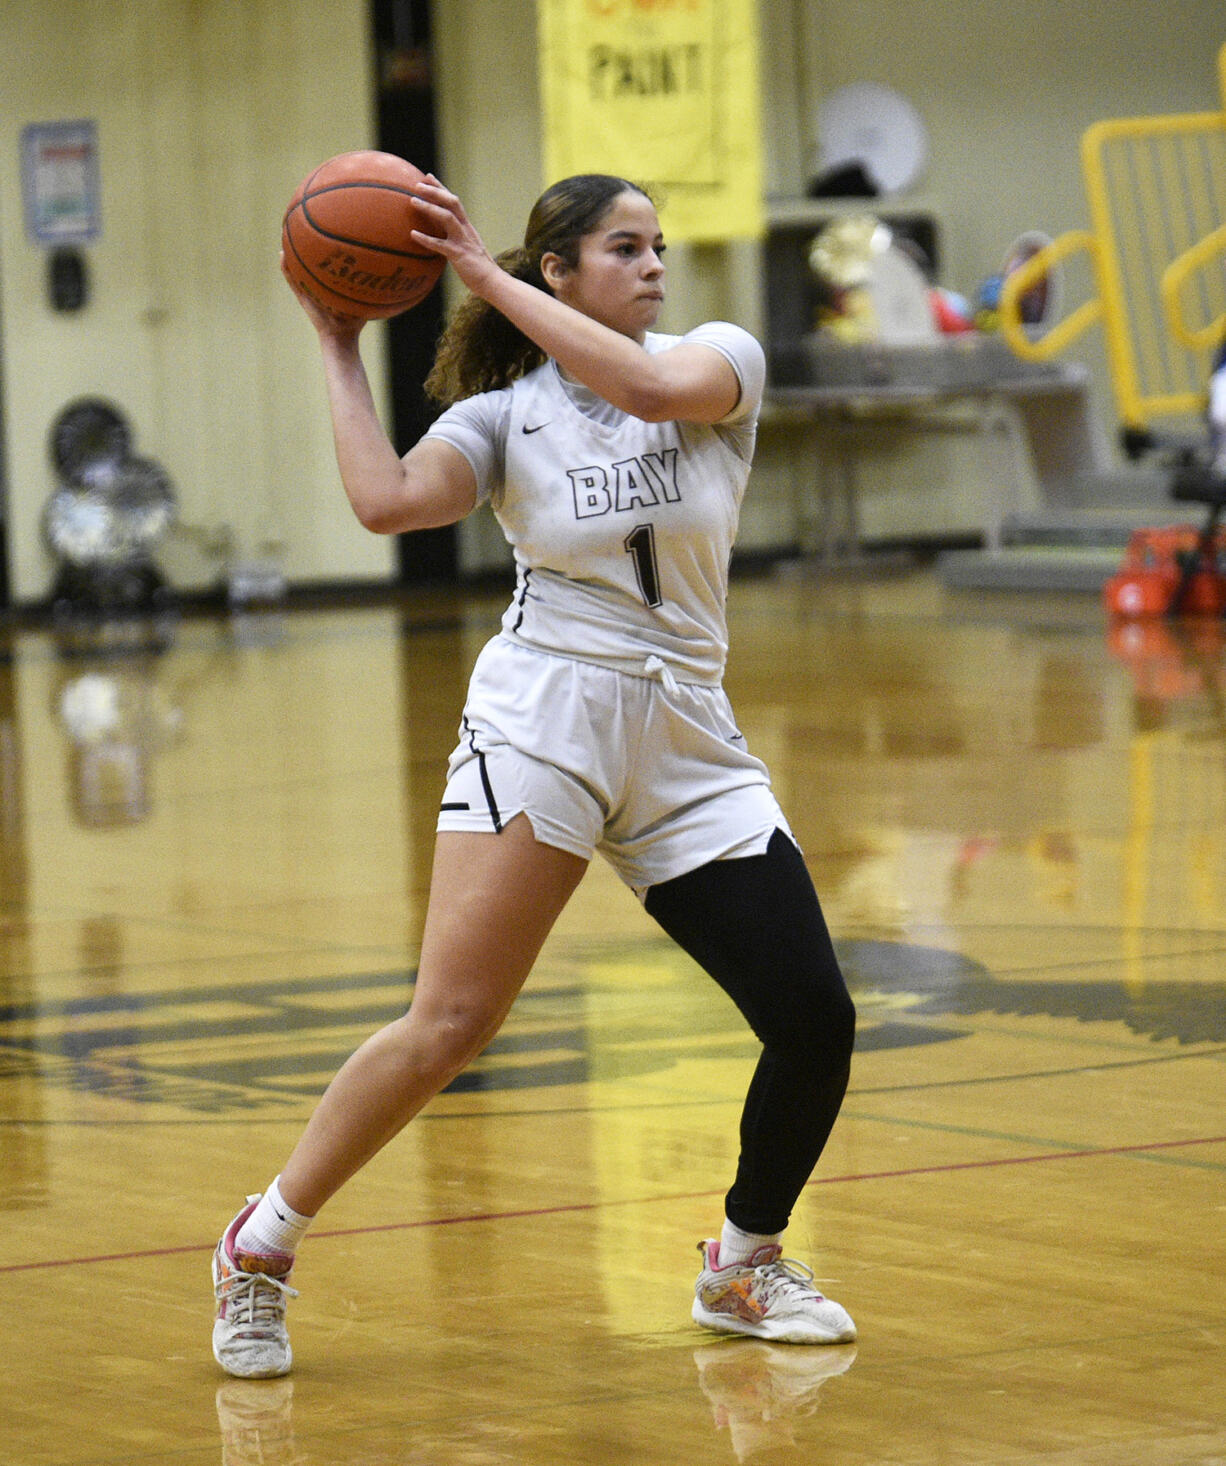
(651, 773)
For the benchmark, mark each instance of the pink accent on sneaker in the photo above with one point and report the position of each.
(271, 1264)
(768, 1296)
(770, 1253)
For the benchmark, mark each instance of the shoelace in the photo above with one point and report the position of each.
(255, 1300)
(787, 1276)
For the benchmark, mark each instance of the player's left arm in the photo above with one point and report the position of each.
(690, 382)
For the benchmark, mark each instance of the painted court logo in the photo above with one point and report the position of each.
(238, 1046)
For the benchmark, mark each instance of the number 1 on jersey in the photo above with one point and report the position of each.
(641, 547)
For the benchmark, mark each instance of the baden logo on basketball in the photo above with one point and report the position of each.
(347, 236)
(343, 267)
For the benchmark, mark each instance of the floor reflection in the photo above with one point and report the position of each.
(117, 714)
(1174, 663)
(759, 1393)
(759, 1396)
(255, 1417)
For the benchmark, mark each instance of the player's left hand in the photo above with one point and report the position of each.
(452, 234)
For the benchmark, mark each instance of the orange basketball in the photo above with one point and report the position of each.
(346, 238)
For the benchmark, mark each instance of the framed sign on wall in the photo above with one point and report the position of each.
(60, 182)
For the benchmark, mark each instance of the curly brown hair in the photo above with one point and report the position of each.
(480, 350)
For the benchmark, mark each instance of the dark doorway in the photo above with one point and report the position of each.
(406, 127)
(4, 505)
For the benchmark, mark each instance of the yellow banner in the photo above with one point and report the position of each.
(664, 93)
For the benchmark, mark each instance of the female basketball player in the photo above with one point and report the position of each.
(615, 460)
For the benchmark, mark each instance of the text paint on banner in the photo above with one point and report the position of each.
(663, 92)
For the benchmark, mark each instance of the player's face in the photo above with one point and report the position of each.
(619, 280)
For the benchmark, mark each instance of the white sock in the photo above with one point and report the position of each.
(737, 1246)
(274, 1226)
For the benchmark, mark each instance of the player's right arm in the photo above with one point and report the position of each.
(432, 485)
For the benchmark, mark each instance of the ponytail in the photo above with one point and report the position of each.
(480, 350)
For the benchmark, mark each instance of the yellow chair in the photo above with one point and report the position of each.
(1156, 188)
(1197, 265)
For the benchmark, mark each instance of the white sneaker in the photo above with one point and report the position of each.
(769, 1297)
(250, 1339)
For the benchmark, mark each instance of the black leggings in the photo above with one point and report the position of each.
(756, 926)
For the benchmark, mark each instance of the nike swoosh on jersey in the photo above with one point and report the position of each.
(526, 429)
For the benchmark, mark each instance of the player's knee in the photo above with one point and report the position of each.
(445, 1040)
(818, 1031)
(843, 1026)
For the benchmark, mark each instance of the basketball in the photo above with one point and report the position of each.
(345, 236)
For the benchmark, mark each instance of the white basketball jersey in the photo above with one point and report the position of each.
(622, 529)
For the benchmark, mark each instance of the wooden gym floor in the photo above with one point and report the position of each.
(214, 859)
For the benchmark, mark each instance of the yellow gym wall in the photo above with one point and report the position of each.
(209, 111)
(208, 114)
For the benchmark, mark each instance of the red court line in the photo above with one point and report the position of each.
(585, 1206)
